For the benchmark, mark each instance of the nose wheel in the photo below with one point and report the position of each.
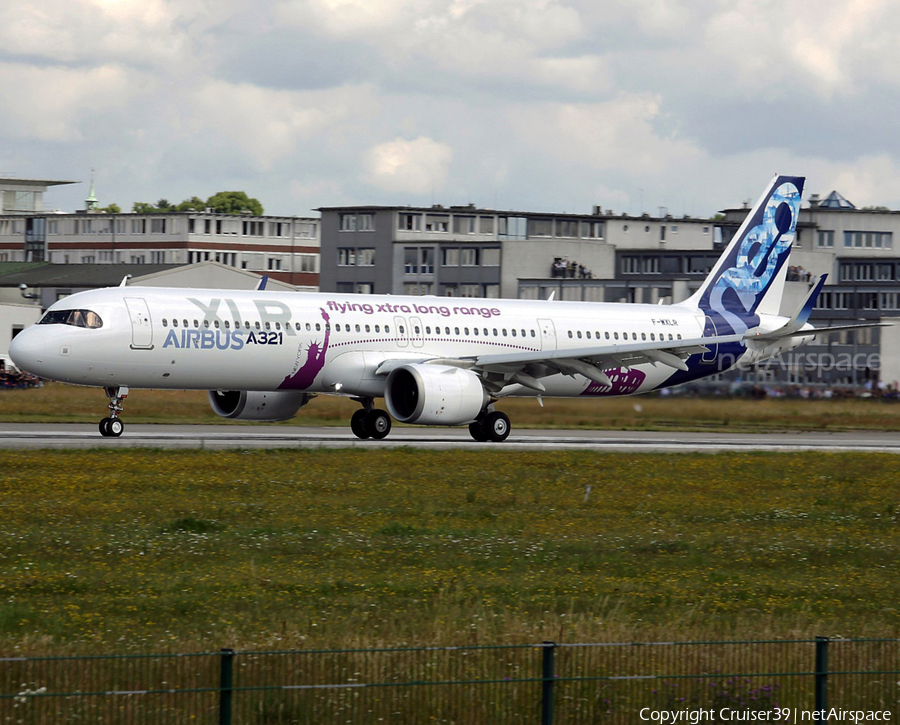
(112, 426)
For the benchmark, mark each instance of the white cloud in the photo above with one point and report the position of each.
(416, 166)
(56, 104)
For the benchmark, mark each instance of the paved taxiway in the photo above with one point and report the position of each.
(39, 435)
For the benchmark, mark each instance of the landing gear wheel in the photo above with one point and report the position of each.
(378, 424)
(115, 427)
(496, 426)
(477, 432)
(104, 427)
(358, 424)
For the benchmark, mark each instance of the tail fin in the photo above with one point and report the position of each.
(748, 280)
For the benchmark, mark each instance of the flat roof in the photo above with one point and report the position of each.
(77, 275)
(35, 182)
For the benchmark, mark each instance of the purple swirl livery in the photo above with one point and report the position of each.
(304, 374)
(625, 381)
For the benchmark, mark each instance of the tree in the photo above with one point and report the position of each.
(222, 202)
(234, 202)
(111, 209)
(195, 203)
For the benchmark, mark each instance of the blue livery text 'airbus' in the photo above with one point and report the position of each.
(263, 355)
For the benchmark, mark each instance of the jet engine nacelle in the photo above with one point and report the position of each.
(244, 405)
(434, 394)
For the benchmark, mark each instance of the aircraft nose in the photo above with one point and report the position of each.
(28, 349)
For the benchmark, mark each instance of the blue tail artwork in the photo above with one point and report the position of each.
(749, 277)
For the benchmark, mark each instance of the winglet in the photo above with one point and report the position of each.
(263, 281)
(124, 281)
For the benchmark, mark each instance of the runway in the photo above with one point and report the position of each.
(83, 436)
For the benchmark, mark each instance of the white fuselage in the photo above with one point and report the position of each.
(259, 340)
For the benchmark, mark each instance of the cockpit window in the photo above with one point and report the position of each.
(76, 318)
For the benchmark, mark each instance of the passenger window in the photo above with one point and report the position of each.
(643, 335)
(579, 334)
(258, 326)
(417, 329)
(475, 330)
(532, 333)
(495, 332)
(357, 328)
(466, 330)
(570, 333)
(318, 326)
(456, 330)
(387, 329)
(308, 327)
(227, 325)
(175, 323)
(368, 329)
(615, 335)
(206, 323)
(165, 322)
(513, 331)
(402, 329)
(606, 334)
(588, 334)
(297, 326)
(634, 336)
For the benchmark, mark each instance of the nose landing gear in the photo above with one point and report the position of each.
(112, 427)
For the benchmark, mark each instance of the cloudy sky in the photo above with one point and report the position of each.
(552, 105)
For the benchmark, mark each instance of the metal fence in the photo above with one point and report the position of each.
(545, 683)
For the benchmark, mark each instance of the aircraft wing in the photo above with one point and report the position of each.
(525, 368)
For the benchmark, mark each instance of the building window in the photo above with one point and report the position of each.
(157, 226)
(158, 257)
(365, 222)
(411, 260)
(885, 272)
(305, 230)
(365, 257)
(889, 300)
(486, 225)
(427, 257)
(348, 222)
(492, 291)
(437, 223)
(825, 239)
(450, 257)
(364, 288)
(566, 228)
(346, 257)
(308, 262)
(470, 290)
(631, 265)
(468, 258)
(410, 223)
(868, 240)
(417, 288)
(592, 230)
(512, 227)
(463, 224)
(540, 227)
(490, 257)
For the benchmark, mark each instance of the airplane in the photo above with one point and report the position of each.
(263, 355)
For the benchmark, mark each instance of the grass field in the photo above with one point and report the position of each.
(61, 403)
(158, 550)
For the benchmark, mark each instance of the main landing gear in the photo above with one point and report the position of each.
(370, 422)
(490, 426)
(112, 427)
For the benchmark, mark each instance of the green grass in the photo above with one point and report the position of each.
(59, 403)
(159, 550)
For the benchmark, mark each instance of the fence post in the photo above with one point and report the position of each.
(548, 675)
(821, 673)
(226, 673)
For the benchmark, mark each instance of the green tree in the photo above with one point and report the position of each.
(195, 203)
(111, 209)
(234, 202)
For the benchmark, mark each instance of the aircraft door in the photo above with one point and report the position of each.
(141, 327)
(415, 332)
(548, 334)
(402, 331)
(709, 330)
